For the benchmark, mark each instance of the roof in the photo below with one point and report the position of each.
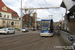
(2, 5)
(69, 5)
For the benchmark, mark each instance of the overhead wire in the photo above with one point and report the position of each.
(25, 3)
(20, 2)
(46, 5)
(28, 5)
(40, 5)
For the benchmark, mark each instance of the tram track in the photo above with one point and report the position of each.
(31, 42)
(26, 43)
(49, 44)
(13, 37)
(38, 43)
(21, 43)
(16, 41)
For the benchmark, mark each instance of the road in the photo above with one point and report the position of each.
(16, 33)
(29, 41)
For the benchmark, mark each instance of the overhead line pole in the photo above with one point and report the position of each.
(21, 17)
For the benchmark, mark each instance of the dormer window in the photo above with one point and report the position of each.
(4, 8)
(14, 13)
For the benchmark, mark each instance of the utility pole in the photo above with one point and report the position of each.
(21, 18)
(30, 22)
(62, 21)
(35, 20)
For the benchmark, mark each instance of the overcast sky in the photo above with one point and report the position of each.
(42, 13)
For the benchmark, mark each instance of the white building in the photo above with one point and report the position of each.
(7, 16)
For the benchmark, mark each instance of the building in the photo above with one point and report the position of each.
(7, 16)
(27, 20)
(38, 24)
(69, 22)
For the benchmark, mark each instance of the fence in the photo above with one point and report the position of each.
(69, 38)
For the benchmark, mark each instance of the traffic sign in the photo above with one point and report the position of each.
(12, 23)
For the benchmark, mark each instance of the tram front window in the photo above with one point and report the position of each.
(45, 26)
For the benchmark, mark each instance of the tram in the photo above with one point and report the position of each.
(46, 27)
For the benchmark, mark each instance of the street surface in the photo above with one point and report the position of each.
(16, 33)
(28, 41)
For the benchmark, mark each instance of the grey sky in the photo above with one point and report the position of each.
(57, 13)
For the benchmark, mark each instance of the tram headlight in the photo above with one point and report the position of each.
(48, 28)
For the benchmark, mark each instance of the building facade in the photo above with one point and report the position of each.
(7, 16)
(27, 20)
(38, 24)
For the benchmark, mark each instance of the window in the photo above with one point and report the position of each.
(3, 21)
(0, 15)
(15, 22)
(4, 8)
(16, 14)
(7, 16)
(4, 16)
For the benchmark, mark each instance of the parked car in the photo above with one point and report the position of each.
(56, 28)
(7, 30)
(25, 29)
(33, 29)
(19, 29)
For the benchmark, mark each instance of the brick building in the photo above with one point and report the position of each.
(26, 20)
